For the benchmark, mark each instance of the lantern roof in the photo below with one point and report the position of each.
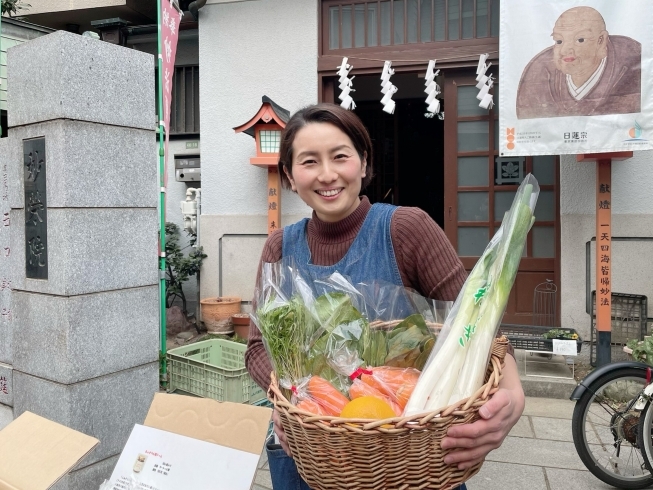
(270, 112)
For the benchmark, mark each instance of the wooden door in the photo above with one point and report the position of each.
(480, 187)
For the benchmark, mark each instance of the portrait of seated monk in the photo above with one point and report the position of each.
(586, 72)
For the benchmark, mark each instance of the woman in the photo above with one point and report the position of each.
(326, 158)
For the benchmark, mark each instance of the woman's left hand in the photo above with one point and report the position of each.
(471, 443)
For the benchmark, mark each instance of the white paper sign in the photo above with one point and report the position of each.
(575, 77)
(564, 347)
(160, 460)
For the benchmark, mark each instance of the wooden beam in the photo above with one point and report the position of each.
(615, 155)
(274, 200)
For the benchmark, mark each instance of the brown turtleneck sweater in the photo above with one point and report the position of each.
(427, 262)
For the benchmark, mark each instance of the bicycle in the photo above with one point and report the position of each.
(610, 422)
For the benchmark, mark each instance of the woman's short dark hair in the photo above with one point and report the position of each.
(345, 120)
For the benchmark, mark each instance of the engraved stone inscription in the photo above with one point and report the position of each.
(36, 210)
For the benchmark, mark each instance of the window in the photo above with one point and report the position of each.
(357, 24)
(185, 105)
(485, 194)
(270, 141)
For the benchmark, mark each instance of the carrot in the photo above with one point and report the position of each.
(375, 382)
(403, 394)
(358, 389)
(396, 383)
(330, 399)
(396, 375)
(310, 406)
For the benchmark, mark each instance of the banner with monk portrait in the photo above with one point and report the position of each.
(575, 76)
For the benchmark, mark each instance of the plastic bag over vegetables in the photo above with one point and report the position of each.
(457, 365)
(403, 325)
(316, 395)
(348, 343)
(336, 347)
(285, 322)
(392, 384)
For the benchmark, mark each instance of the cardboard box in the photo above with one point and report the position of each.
(35, 453)
(189, 442)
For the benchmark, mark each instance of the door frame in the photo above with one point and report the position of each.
(453, 79)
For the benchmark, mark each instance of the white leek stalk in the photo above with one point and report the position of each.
(457, 366)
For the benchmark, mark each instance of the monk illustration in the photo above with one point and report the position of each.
(586, 72)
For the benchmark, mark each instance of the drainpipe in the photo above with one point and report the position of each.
(194, 7)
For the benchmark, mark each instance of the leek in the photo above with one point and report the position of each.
(457, 366)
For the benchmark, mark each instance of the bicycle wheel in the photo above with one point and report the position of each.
(605, 428)
(646, 443)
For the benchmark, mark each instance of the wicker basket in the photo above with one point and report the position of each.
(388, 325)
(402, 453)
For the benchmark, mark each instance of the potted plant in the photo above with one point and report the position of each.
(180, 268)
(240, 321)
(217, 313)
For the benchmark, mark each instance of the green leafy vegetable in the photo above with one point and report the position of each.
(642, 350)
(409, 343)
(337, 345)
(284, 326)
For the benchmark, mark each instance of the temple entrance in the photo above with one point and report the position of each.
(408, 146)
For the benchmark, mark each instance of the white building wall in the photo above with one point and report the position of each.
(247, 49)
(187, 54)
(632, 216)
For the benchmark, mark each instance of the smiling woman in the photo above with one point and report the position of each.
(326, 158)
(327, 171)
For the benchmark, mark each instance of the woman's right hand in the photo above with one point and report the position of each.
(278, 429)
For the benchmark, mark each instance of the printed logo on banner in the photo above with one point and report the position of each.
(510, 138)
(636, 133)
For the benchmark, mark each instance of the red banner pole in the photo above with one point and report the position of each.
(604, 250)
(603, 260)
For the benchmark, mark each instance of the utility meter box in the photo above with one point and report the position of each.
(187, 169)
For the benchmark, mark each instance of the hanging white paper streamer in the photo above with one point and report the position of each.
(434, 107)
(484, 90)
(487, 102)
(344, 68)
(389, 107)
(430, 74)
(482, 67)
(388, 89)
(485, 83)
(432, 89)
(345, 85)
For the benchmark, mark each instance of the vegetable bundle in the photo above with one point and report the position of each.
(458, 362)
(325, 334)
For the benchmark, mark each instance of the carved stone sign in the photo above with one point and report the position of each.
(36, 236)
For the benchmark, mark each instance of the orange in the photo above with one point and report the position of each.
(367, 407)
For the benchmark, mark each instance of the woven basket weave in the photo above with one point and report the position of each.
(402, 453)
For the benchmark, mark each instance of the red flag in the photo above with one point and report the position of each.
(170, 20)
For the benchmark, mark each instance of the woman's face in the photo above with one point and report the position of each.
(327, 171)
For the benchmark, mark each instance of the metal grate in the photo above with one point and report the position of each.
(185, 106)
(629, 321)
(545, 300)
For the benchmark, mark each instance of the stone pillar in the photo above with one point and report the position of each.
(81, 345)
